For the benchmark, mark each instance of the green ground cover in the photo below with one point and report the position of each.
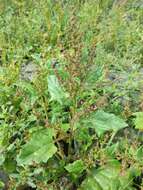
(71, 94)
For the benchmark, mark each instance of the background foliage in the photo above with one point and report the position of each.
(71, 92)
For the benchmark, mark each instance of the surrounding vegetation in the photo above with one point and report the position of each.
(71, 94)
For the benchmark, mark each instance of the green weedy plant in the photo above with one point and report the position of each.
(66, 128)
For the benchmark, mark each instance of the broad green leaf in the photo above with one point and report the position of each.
(110, 150)
(139, 120)
(139, 154)
(65, 127)
(9, 164)
(93, 76)
(102, 122)
(107, 177)
(39, 149)
(56, 91)
(76, 167)
(1, 184)
(1, 159)
(84, 138)
(135, 171)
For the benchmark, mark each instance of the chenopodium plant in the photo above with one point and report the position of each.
(50, 141)
(66, 148)
(52, 138)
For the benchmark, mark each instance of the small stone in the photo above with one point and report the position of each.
(4, 178)
(28, 71)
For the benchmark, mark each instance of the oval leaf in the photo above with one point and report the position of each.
(55, 90)
(39, 149)
(139, 120)
(107, 178)
(75, 167)
(102, 122)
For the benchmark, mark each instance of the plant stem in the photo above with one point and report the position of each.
(111, 138)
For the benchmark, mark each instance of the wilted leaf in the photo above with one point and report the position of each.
(55, 90)
(75, 167)
(39, 149)
(102, 122)
(139, 120)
